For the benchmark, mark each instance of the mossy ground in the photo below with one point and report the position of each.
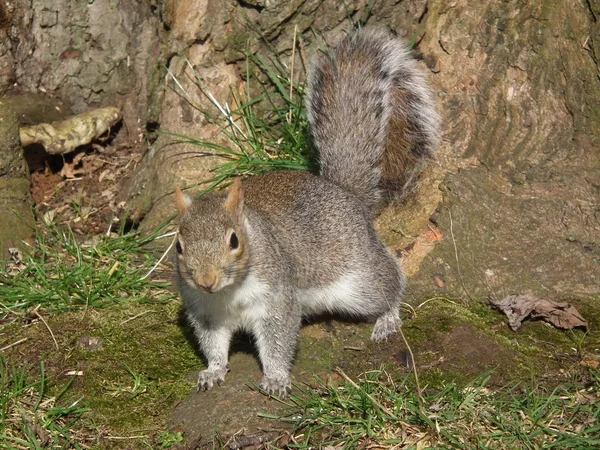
(128, 363)
(133, 364)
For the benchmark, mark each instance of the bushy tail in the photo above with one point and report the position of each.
(372, 117)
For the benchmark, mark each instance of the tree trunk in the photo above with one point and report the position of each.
(517, 84)
(521, 100)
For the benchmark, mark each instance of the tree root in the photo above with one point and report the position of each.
(66, 135)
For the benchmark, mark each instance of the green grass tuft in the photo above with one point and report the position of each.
(62, 272)
(382, 412)
(267, 131)
(32, 418)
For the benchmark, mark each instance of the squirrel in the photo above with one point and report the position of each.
(284, 244)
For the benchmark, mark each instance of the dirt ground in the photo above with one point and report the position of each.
(83, 188)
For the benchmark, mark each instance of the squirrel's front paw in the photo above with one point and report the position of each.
(276, 386)
(208, 378)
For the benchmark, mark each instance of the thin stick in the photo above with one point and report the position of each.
(409, 307)
(292, 72)
(456, 256)
(212, 99)
(10, 310)
(20, 341)
(166, 235)
(46, 324)
(435, 298)
(414, 368)
(123, 438)
(164, 255)
(136, 316)
(375, 402)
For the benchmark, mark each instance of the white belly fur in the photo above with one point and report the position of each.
(241, 307)
(344, 295)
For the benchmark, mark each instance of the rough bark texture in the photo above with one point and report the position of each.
(520, 90)
(212, 35)
(90, 54)
(16, 216)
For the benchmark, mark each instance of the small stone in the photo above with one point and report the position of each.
(91, 343)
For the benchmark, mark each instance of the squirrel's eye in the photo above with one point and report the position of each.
(178, 247)
(234, 242)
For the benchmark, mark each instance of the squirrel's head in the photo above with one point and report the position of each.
(211, 243)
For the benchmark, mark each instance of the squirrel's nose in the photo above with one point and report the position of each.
(207, 281)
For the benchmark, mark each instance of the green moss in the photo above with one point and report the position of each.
(136, 376)
(454, 342)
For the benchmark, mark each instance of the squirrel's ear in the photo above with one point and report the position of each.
(235, 199)
(182, 200)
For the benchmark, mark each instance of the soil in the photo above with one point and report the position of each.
(82, 189)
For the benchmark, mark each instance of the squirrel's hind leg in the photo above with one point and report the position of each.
(387, 324)
(394, 281)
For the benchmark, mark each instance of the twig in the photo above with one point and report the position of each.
(166, 235)
(46, 324)
(123, 438)
(10, 310)
(20, 341)
(164, 255)
(435, 298)
(136, 316)
(292, 72)
(410, 308)
(239, 442)
(414, 368)
(456, 256)
(402, 233)
(437, 232)
(375, 402)
(212, 99)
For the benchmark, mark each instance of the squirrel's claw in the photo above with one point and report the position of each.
(280, 387)
(208, 378)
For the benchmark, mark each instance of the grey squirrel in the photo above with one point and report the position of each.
(286, 244)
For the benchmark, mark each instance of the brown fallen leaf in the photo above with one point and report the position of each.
(518, 307)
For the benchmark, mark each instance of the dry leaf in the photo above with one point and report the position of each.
(17, 265)
(518, 307)
(438, 281)
(48, 217)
